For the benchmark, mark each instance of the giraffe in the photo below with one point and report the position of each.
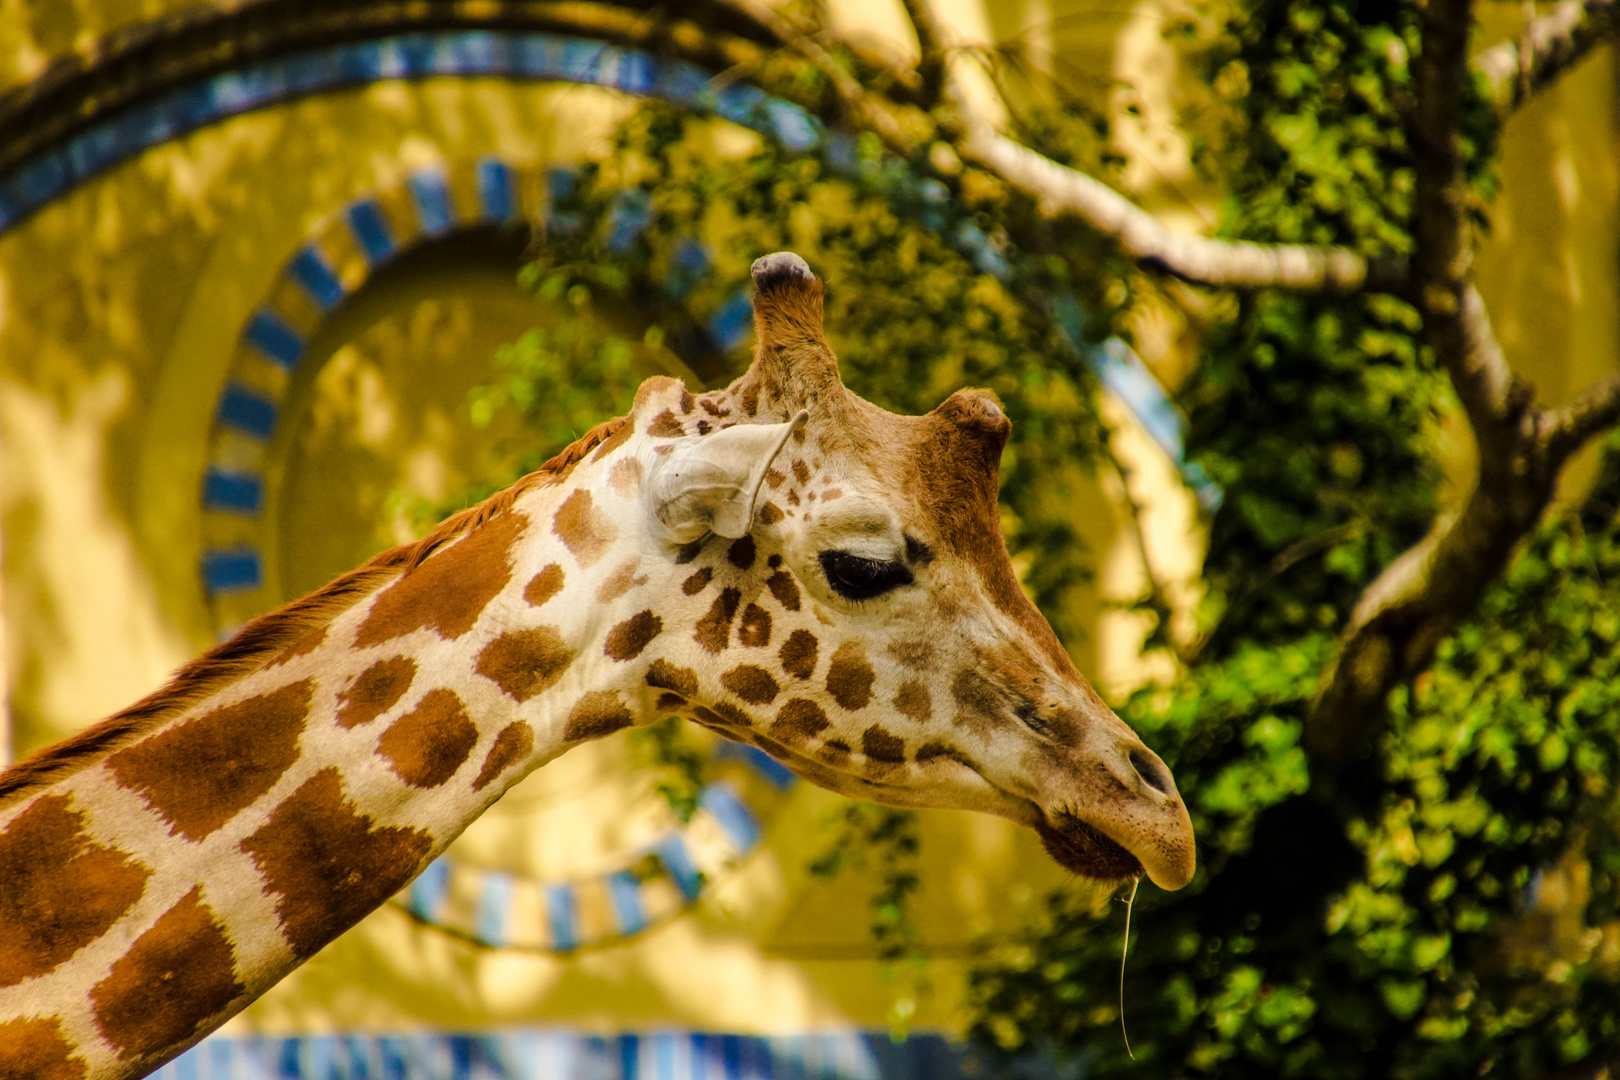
(779, 561)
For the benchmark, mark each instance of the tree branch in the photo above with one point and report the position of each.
(1421, 596)
(1225, 263)
(1547, 47)
(931, 67)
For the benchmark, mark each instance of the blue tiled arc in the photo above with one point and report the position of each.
(403, 56)
(239, 493)
(316, 277)
(232, 570)
(270, 334)
(548, 1054)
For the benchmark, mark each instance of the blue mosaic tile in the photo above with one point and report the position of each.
(355, 62)
(682, 83)
(371, 230)
(231, 570)
(496, 195)
(581, 60)
(795, 129)
(431, 194)
(42, 179)
(730, 324)
(741, 104)
(270, 334)
(671, 851)
(638, 73)
(239, 493)
(627, 218)
(539, 56)
(493, 904)
(736, 819)
(247, 411)
(624, 890)
(688, 265)
(310, 269)
(560, 917)
(429, 889)
(305, 72)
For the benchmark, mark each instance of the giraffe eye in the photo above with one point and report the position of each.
(856, 578)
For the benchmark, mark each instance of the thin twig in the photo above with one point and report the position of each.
(1550, 45)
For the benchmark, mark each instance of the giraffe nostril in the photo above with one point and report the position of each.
(1152, 771)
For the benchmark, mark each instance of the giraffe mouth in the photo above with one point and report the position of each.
(1083, 849)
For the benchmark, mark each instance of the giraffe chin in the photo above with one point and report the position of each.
(1082, 849)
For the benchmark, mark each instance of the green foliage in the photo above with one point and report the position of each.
(1422, 913)
(681, 766)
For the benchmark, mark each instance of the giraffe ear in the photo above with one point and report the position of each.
(711, 482)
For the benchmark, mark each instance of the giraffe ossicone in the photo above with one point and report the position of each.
(779, 561)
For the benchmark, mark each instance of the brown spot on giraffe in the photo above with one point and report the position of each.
(801, 472)
(832, 493)
(36, 1049)
(664, 675)
(512, 745)
(733, 714)
(448, 592)
(978, 704)
(584, 530)
(687, 552)
(697, 582)
(201, 773)
(598, 713)
(881, 745)
(620, 581)
(625, 641)
(749, 399)
(671, 701)
(326, 864)
(427, 745)
(714, 629)
(375, 690)
(914, 653)
(525, 662)
(306, 645)
(741, 552)
(833, 750)
(754, 630)
(666, 425)
(61, 891)
(704, 427)
(620, 436)
(544, 585)
(799, 720)
(712, 407)
(785, 589)
(177, 976)
(936, 750)
(850, 677)
(770, 514)
(798, 654)
(914, 700)
(793, 498)
(626, 476)
(753, 684)
(774, 479)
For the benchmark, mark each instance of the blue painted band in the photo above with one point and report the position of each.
(552, 1054)
(739, 823)
(431, 195)
(232, 570)
(238, 493)
(671, 851)
(496, 197)
(624, 890)
(270, 334)
(247, 411)
(429, 890)
(561, 917)
(309, 268)
(493, 905)
(371, 230)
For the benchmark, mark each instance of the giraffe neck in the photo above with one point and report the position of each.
(173, 880)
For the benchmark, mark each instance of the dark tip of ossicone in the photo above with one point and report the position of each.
(773, 272)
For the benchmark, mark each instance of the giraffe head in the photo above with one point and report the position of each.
(844, 576)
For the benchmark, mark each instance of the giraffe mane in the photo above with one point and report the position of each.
(273, 633)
